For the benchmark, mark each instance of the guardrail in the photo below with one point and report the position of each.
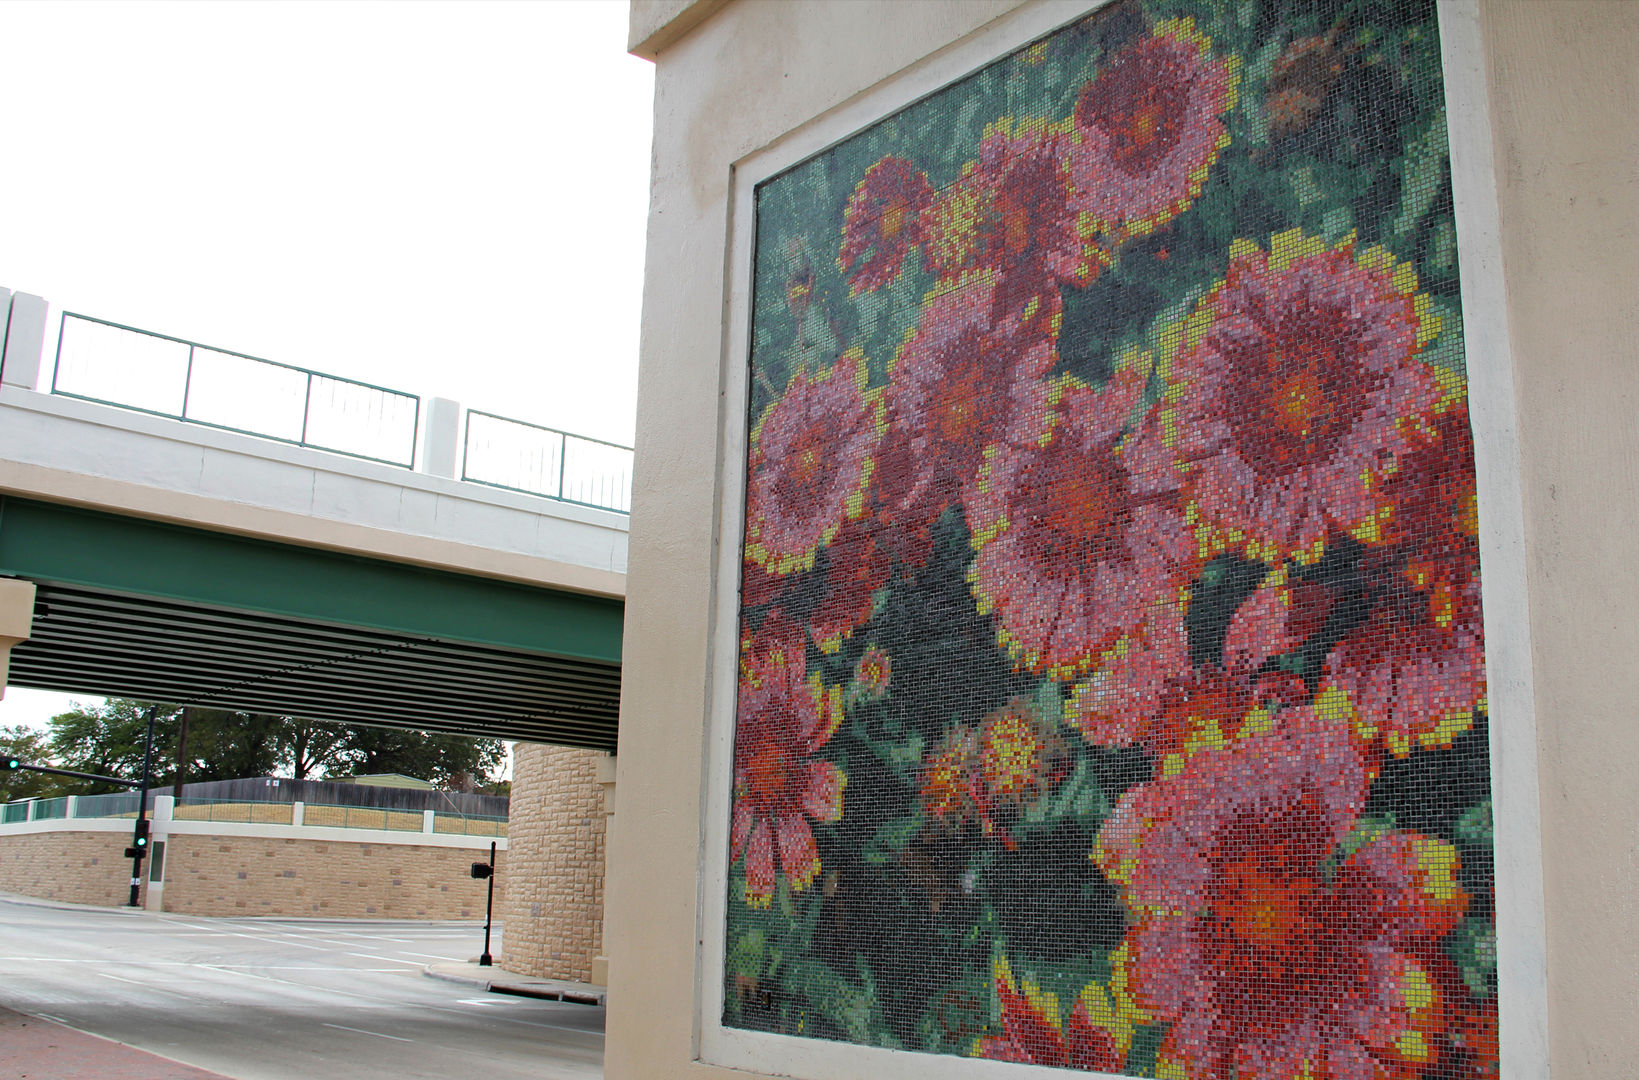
(113, 364)
(519, 456)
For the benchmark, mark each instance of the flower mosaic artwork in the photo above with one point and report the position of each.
(1112, 689)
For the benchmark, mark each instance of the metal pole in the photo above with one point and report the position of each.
(142, 809)
(489, 909)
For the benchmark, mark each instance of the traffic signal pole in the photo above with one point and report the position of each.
(139, 837)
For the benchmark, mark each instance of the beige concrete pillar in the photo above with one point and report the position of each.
(606, 780)
(16, 620)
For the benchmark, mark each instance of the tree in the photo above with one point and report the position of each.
(308, 747)
(443, 759)
(108, 739)
(22, 741)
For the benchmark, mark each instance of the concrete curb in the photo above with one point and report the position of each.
(500, 981)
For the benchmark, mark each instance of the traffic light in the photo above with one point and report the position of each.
(481, 870)
(13, 764)
(139, 842)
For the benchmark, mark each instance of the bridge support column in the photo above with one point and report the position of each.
(606, 780)
(16, 620)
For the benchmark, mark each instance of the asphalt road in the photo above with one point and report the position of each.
(260, 999)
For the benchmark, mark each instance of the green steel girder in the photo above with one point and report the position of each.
(47, 542)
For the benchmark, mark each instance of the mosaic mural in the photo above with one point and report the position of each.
(1112, 689)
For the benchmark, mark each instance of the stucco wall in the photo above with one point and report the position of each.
(1562, 97)
(554, 910)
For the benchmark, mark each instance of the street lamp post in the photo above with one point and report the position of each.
(487, 870)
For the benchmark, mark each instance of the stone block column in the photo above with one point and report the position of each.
(553, 910)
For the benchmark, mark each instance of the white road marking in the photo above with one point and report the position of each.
(389, 959)
(361, 1031)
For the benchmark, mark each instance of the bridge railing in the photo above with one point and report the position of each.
(253, 812)
(154, 373)
(519, 456)
(130, 368)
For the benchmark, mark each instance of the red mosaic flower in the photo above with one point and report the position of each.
(1431, 516)
(1079, 538)
(1092, 1037)
(1413, 673)
(963, 382)
(985, 775)
(1299, 390)
(1271, 963)
(873, 673)
(1474, 1053)
(1147, 132)
(785, 716)
(812, 454)
(857, 565)
(882, 222)
(1010, 212)
(1145, 691)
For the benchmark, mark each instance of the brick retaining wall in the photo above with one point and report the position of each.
(237, 875)
(242, 874)
(75, 867)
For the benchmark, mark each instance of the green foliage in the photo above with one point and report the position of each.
(23, 742)
(109, 739)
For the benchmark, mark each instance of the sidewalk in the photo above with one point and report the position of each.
(36, 1049)
(501, 981)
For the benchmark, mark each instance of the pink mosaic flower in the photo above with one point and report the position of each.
(1298, 391)
(1078, 537)
(1270, 963)
(882, 222)
(963, 382)
(785, 716)
(812, 454)
(1147, 129)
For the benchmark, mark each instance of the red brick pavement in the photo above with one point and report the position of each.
(36, 1049)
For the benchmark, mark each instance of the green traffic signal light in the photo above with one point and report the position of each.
(13, 764)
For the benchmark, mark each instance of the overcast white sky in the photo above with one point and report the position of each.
(442, 198)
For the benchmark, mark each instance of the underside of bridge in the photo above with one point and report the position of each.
(134, 608)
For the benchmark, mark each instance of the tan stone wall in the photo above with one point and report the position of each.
(75, 867)
(252, 875)
(237, 875)
(554, 911)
